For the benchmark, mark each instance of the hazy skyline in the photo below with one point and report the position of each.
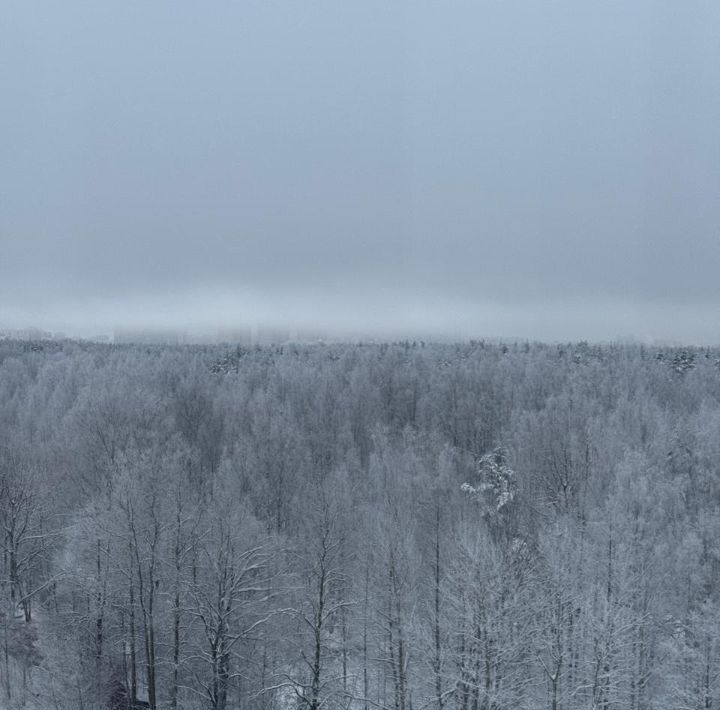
(544, 170)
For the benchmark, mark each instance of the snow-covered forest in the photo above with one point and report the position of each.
(402, 526)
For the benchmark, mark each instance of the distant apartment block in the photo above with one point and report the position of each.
(31, 334)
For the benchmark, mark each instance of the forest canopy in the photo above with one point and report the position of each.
(406, 526)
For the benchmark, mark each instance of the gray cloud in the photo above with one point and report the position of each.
(503, 168)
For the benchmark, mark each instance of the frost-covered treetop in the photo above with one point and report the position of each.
(496, 487)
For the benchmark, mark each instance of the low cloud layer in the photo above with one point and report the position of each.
(544, 171)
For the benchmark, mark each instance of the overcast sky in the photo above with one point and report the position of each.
(541, 169)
